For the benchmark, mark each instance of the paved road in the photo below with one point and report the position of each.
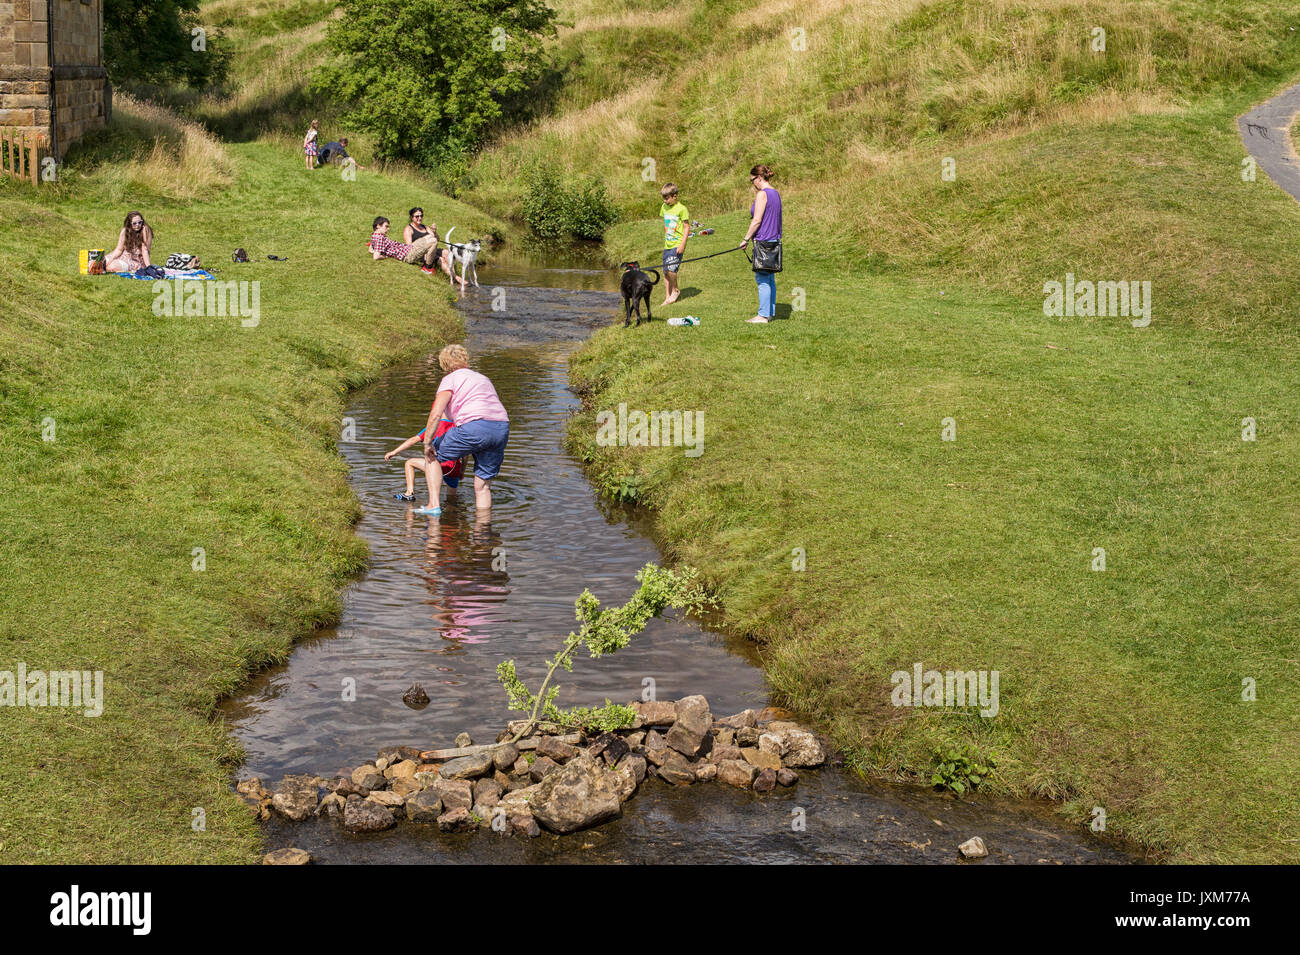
(1265, 131)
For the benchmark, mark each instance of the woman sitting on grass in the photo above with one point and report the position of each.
(415, 230)
(481, 428)
(133, 245)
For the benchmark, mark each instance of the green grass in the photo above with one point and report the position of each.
(274, 45)
(1119, 688)
(707, 88)
(172, 434)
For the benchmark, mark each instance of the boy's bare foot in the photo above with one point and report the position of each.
(673, 297)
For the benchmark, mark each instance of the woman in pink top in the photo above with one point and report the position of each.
(480, 426)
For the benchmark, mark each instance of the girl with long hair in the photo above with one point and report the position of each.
(133, 245)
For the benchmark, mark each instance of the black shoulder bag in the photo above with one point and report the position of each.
(767, 255)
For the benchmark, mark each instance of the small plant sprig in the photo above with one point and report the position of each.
(602, 631)
(960, 769)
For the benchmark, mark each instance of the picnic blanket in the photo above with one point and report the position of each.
(170, 273)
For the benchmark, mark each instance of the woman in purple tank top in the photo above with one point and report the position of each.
(764, 226)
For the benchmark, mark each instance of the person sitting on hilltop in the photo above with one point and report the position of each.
(133, 245)
(423, 250)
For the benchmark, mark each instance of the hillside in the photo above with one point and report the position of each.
(924, 299)
(1065, 158)
(1122, 689)
(924, 302)
(135, 441)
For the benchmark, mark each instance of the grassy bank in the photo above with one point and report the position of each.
(274, 45)
(172, 434)
(1120, 689)
(831, 91)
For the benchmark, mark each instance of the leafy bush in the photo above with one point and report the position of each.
(423, 80)
(149, 41)
(602, 719)
(624, 488)
(543, 202)
(590, 210)
(553, 208)
(450, 167)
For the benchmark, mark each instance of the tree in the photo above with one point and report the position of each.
(426, 78)
(152, 41)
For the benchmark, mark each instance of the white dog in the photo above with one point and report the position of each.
(466, 253)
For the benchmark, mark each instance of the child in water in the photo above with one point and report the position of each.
(451, 470)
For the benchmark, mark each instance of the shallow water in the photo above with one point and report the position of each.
(445, 600)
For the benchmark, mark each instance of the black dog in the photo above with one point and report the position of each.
(636, 285)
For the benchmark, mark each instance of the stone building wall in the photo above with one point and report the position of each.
(76, 32)
(73, 69)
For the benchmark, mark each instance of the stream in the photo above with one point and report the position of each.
(445, 600)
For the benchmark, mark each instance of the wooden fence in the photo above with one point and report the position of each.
(20, 154)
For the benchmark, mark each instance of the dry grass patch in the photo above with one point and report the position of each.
(167, 154)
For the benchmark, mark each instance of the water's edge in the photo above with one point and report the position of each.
(476, 616)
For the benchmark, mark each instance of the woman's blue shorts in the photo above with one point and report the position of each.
(486, 440)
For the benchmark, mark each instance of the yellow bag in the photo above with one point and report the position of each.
(88, 256)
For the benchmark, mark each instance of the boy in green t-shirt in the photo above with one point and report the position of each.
(677, 229)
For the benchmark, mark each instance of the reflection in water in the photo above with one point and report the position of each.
(446, 599)
(464, 604)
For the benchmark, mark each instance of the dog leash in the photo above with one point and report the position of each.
(711, 255)
(450, 245)
(699, 257)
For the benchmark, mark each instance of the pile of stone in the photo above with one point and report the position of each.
(553, 779)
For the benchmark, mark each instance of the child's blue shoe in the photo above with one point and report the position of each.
(405, 497)
(430, 511)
